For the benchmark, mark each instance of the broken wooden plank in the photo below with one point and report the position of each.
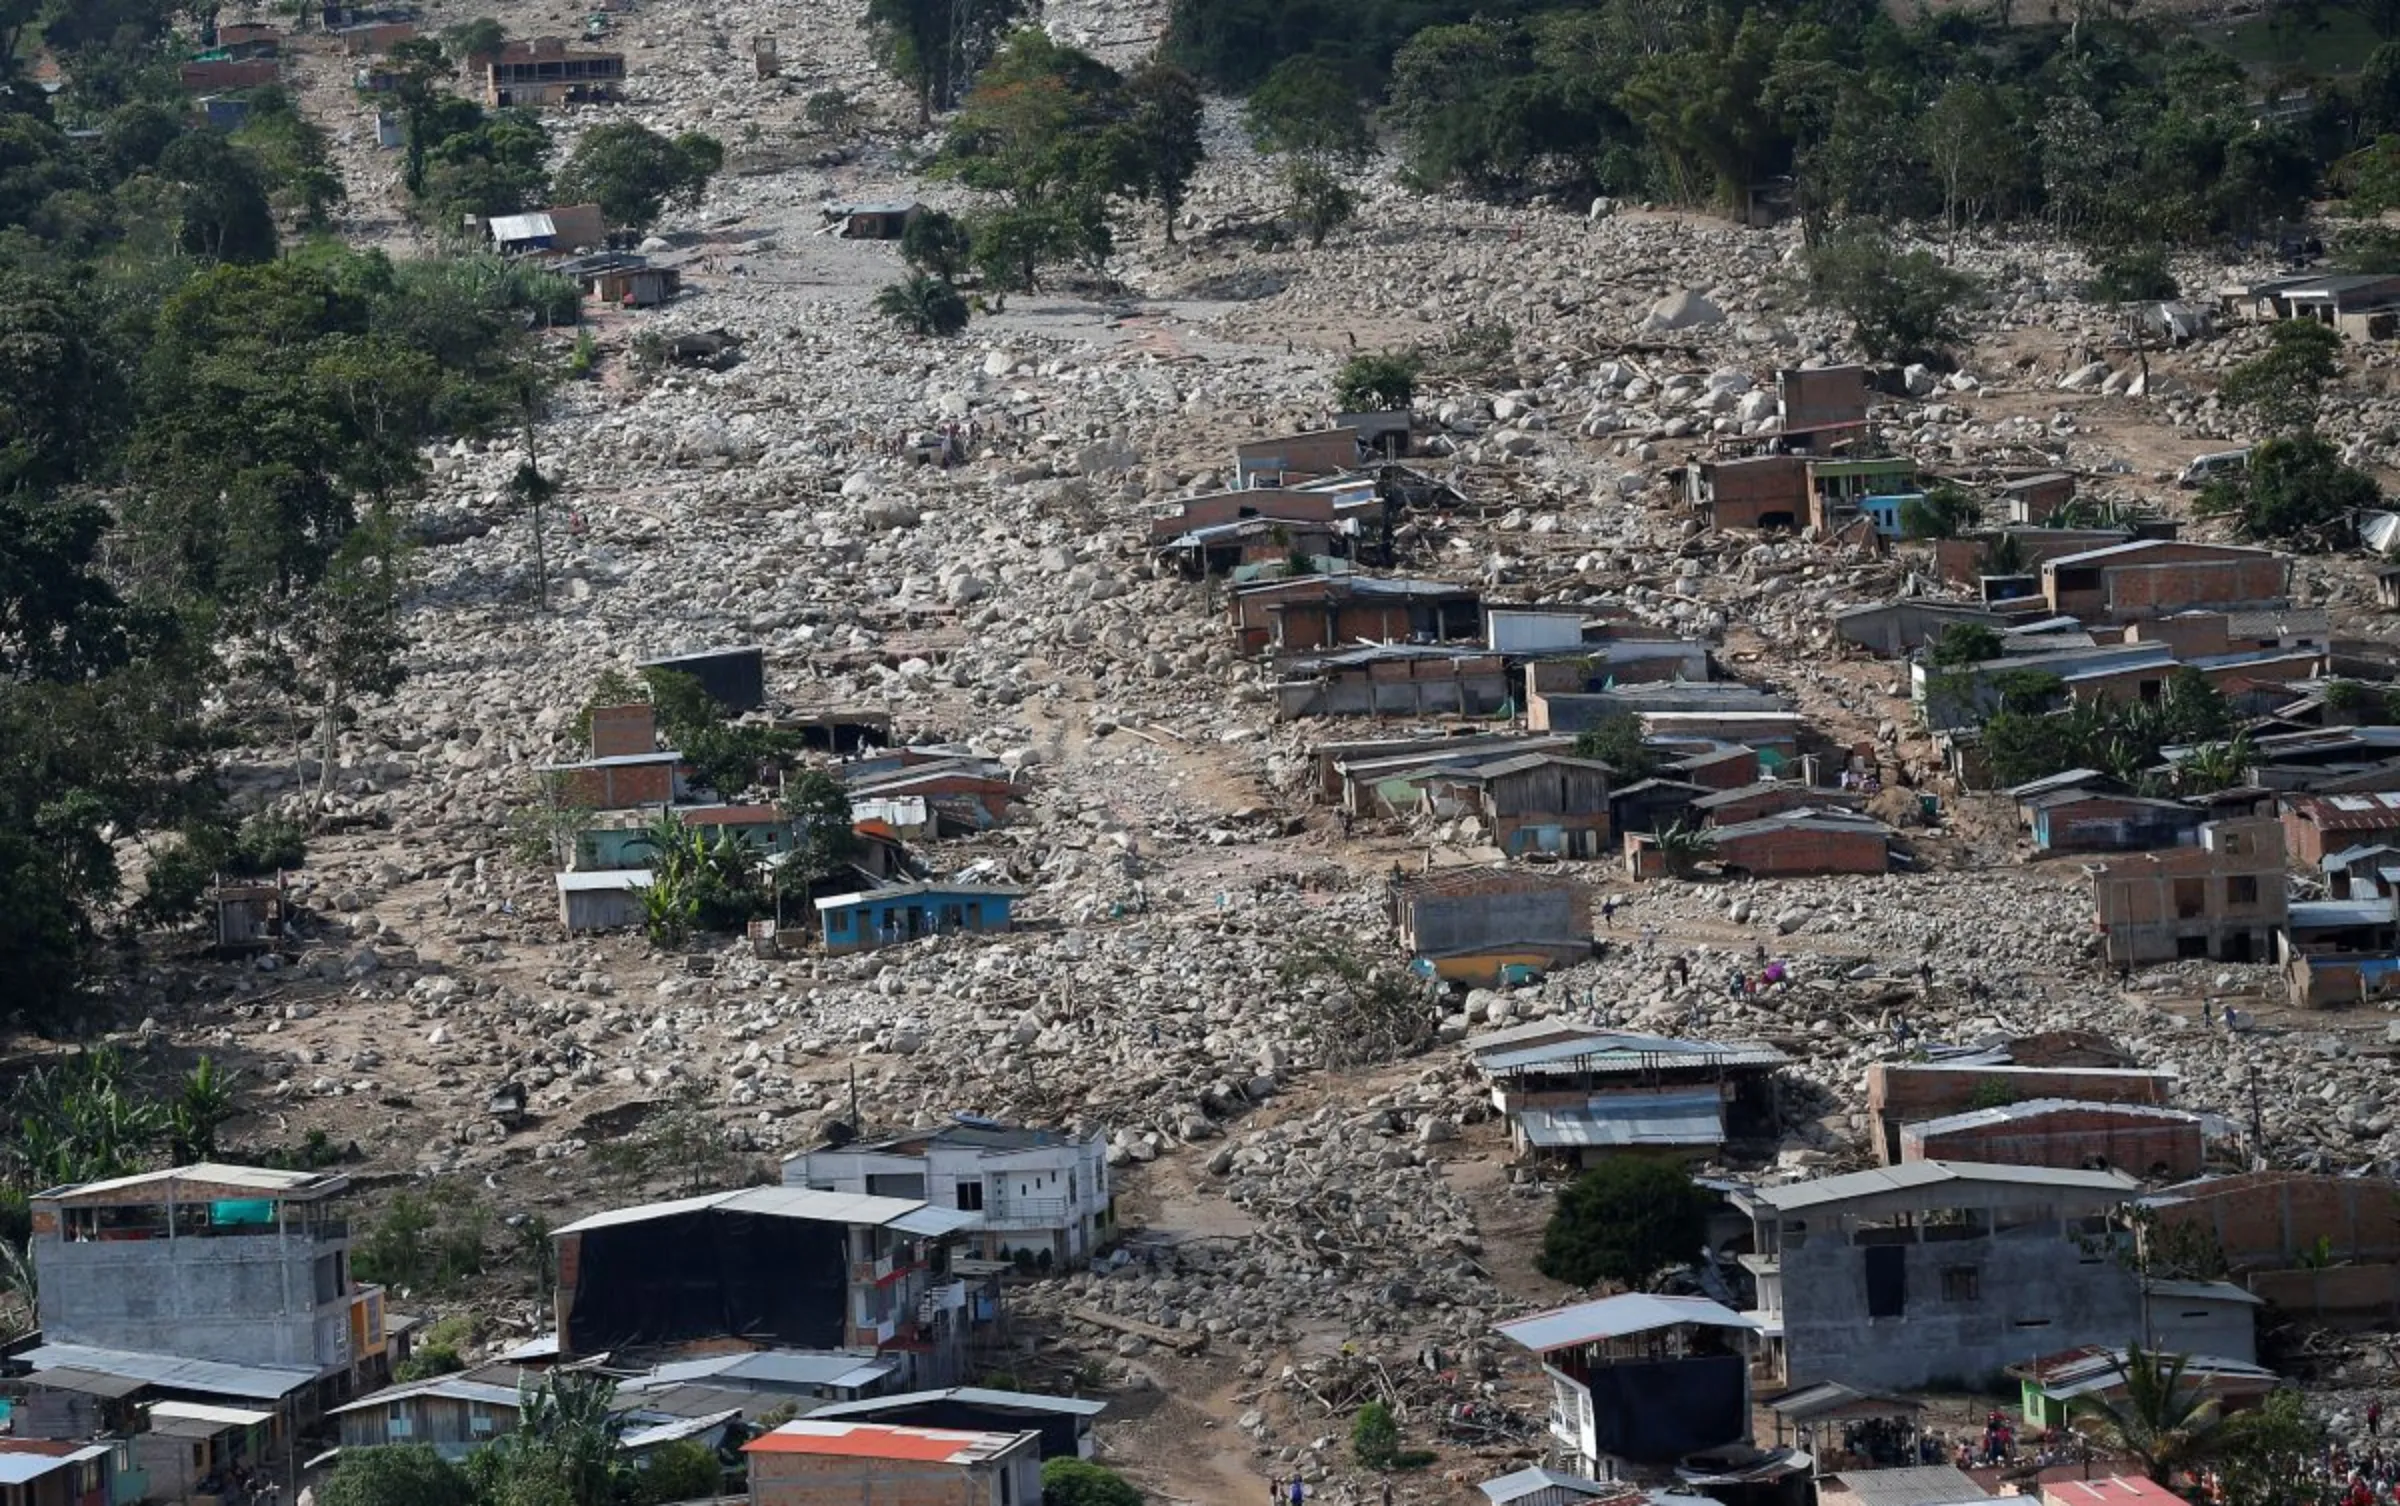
(1185, 1343)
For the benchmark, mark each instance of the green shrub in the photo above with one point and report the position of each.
(1374, 1436)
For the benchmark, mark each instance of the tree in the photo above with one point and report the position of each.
(1944, 512)
(1079, 1482)
(1321, 202)
(1374, 1436)
(936, 46)
(1963, 644)
(1306, 109)
(1973, 144)
(226, 214)
(344, 638)
(1377, 382)
(936, 244)
(634, 174)
(480, 37)
(1616, 740)
(923, 305)
(404, 1475)
(2296, 488)
(2134, 277)
(566, 1433)
(1684, 847)
(1623, 1222)
(2278, 389)
(825, 836)
(1901, 305)
(2165, 1424)
(2270, 1453)
(1162, 136)
(681, 1471)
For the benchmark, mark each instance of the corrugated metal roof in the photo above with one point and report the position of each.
(171, 1372)
(876, 1440)
(1533, 1480)
(909, 1215)
(214, 1173)
(1917, 1485)
(1833, 1399)
(1616, 1317)
(649, 1433)
(593, 883)
(1628, 1119)
(2036, 1108)
(237, 1417)
(790, 1367)
(1622, 1051)
(980, 1396)
(2065, 780)
(522, 227)
(20, 1465)
(444, 1387)
(1912, 1175)
(2319, 914)
(2119, 553)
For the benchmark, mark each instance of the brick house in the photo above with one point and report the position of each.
(2275, 1227)
(2154, 577)
(2317, 826)
(541, 71)
(1900, 1094)
(2223, 899)
(1318, 611)
(819, 1463)
(1474, 924)
(2152, 1143)
(1800, 842)
(1764, 491)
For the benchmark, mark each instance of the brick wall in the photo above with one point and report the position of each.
(1899, 1093)
(2267, 1220)
(2154, 589)
(622, 731)
(2082, 1136)
(1742, 492)
(1800, 852)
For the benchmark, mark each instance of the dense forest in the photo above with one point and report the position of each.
(2115, 128)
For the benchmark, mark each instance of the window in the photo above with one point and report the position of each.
(479, 1417)
(2242, 890)
(970, 1196)
(1887, 1281)
(1962, 1283)
(398, 1424)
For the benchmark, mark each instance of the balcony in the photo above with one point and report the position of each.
(1028, 1213)
(873, 1272)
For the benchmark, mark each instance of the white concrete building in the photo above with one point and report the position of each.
(1042, 1192)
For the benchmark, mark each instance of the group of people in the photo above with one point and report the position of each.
(238, 1482)
(1296, 1491)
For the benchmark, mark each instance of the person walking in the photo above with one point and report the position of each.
(1299, 1491)
(1608, 912)
(1274, 1490)
(2374, 1417)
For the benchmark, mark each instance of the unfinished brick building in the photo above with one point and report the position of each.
(2142, 1139)
(2152, 577)
(2223, 899)
(2321, 1245)
(1905, 1093)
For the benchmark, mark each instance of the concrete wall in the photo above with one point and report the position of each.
(2035, 1292)
(244, 1299)
(1441, 923)
(2082, 1136)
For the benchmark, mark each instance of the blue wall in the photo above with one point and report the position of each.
(854, 927)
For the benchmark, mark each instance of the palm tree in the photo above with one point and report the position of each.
(567, 1432)
(2215, 766)
(1683, 847)
(923, 305)
(2155, 1417)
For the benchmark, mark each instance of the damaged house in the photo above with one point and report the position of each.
(2224, 899)
(1578, 1093)
(1895, 1278)
(1481, 925)
(1638, 1382)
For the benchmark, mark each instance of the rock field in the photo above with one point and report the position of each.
(1009, 603)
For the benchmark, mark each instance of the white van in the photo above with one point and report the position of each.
(2207, 468)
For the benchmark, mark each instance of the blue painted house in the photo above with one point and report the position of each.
(906, 912)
